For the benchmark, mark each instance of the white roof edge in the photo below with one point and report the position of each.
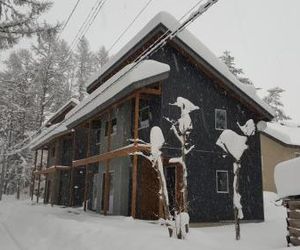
(70, 101)
(192, 42)
(138, 72)
(86, 106)
(286, 134)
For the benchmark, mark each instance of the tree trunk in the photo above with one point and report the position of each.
(235, 208)
(2, 175)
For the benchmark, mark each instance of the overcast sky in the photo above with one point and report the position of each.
(263, 35)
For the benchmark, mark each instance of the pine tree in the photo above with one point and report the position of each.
(53, 65)
(16, 120)
(273, 99)
(85, 66)
(228, 59)
(101, 57)
(19, 18)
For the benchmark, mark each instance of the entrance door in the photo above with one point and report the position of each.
(111, 192)
(95, 192)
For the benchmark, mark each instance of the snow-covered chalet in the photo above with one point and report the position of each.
(91, 147)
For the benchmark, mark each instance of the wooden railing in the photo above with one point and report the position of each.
(293, 221)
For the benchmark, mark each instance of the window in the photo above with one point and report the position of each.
(53, 151)
(144, 117)
(144, 114)
(220, 119)
(96, 128)
(297, 154)
(113, 127)
(222, 181)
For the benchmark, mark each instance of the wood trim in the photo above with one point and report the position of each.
(135, 157)
(52, 169)
(71, 194)
(121, 152)
(293, 204)
(33, 175)
(39, 180)
(86, 169)
(107, 186)
(142, 91)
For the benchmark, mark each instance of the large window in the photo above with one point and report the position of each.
(96, 128)
(220, 119)
(222, 181)
(113, 127)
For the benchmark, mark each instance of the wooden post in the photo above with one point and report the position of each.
(71, 190)
(33, 176)
(86, 169)
(135, 157)
(107, 179)
(39, 180)
(55, 188)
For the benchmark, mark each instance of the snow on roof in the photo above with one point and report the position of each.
(54, 130)
(139, 74)
(286, 176)
(47, 135)
(193, 43)
(71, 103)
(112, 89)
(287, 133)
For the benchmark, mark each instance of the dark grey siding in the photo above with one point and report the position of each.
(205, 203)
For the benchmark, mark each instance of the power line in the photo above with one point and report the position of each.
(69, 17)
(168, 35)
(128, 27)
(87, 22)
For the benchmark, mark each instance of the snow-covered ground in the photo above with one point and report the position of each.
(29, 226)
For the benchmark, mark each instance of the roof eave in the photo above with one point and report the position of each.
(133, 87)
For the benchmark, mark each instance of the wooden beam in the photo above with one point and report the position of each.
(52, 169)
(39, 178)
(54, 187)
(107, 179)
(72, 173)
(121, 152)
(86, 169)
(135, 157)
(33, 175)
(150, 91)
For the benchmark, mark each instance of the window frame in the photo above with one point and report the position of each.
(112, 132)
(217, 185)
(226, 125)
(147, 107)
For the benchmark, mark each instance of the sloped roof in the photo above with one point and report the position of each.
(62, 111)
(133, 76)
(288, 134)
(140, 75)
(53, 130)
(192, 43)
(47, 135)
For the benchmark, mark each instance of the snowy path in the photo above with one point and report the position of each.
(8, 240)
(38, 227)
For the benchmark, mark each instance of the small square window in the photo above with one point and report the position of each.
(220, 119)
(144, 117)
(222, 181)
